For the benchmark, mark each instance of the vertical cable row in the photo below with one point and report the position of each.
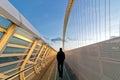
(99, 20)
(77, 39)
(90, 21)
(87, 22)
(105, 19)
(109, 18)
(96, 26)
(79, 28)
(81, 24)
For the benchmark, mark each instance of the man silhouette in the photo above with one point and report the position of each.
(60, 59)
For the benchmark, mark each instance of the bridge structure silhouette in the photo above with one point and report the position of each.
(92, 54)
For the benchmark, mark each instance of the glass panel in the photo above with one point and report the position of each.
(32, 59)
(35, 51)
(28, 65)
(38, 64)
(15, 40)
(37, 46)
(8, 67)
(16, 78)
(27, 50)
(8, 59)
(4, 22)
(42, 54)
(36, 55)
(12, 72)
(31, 77)
(32, 56)
(28, 72)
(25, 33)
(1, 34)
(11, 50)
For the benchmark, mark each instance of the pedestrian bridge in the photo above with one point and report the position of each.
(25, 55)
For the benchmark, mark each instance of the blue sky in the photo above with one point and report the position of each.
(45, 15)
(86, 24)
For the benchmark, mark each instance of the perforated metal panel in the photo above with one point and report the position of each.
(99, 61)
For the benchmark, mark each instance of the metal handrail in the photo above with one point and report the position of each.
(21, 71)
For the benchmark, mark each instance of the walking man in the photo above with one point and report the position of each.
(60, 59)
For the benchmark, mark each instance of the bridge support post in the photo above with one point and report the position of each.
(7, 36)
(27, 58)
(35, 67)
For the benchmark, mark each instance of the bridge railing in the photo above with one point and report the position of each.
(100, 61)
(22, 53)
